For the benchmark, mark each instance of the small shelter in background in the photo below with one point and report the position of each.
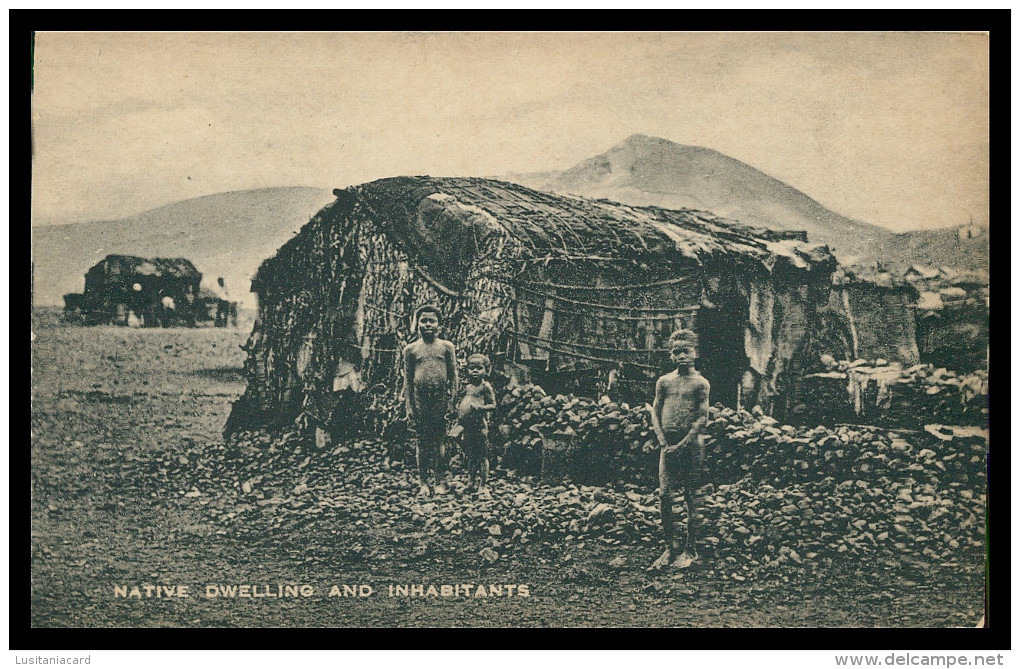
(561, 290)
(142, 292)
(217, 304)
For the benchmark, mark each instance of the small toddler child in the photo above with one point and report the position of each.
(472, 416)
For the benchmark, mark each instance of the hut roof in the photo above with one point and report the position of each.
(178, 268)
(569, 226)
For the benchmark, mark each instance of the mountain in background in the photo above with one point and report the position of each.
(644, 170)
(230, 234)
(227, 234)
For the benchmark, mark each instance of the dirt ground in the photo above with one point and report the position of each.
(111, 406)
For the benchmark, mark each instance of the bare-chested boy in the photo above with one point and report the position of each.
(679, 412)
(472, 414)
(430, 384)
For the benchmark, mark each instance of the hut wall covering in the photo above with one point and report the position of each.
(882, 319)
(954, 336)
(559, 288)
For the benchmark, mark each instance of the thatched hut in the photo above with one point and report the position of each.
(128, 290)
(561, 289)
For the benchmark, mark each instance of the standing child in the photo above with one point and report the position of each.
(472, 415)
(679, 412)
(430, 384)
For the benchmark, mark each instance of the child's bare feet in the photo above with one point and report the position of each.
(425, 490)
(441, 488)
(664, 559)
(685, 559)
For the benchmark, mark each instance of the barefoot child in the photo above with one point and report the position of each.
(430, 384)
(679, 412)
(472, 415)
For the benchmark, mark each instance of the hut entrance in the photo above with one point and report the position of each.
(722, 359)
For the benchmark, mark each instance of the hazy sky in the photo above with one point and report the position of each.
(890, 128)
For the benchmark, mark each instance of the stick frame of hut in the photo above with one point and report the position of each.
(554, 288)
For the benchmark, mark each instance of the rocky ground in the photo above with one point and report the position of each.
(132, 485)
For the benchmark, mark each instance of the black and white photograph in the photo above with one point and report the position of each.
(509, 329)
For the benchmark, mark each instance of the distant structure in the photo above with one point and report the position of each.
(142, 292)
(970, 231)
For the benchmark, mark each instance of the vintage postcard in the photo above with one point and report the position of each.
(537, 329)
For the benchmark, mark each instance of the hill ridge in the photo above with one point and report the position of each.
(223, 234)
(647, 170)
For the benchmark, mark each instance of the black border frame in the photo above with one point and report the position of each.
(996, 637)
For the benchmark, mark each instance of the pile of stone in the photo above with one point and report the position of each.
(785, 493)
(777, 498)
(562, 435)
